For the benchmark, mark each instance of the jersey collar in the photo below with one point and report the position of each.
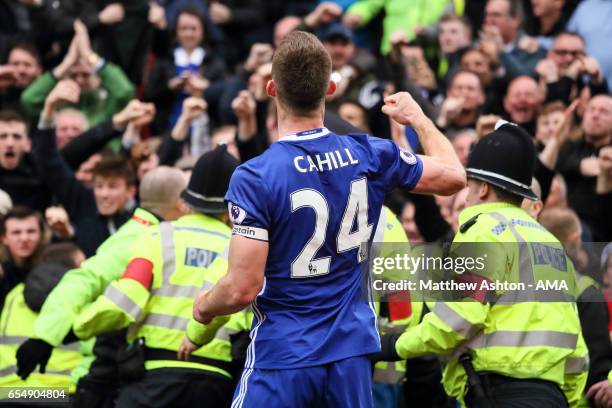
(305, 135)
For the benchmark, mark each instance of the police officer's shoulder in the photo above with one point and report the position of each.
(152, 230)
(481, 226)
(478, 224)
(469, 224)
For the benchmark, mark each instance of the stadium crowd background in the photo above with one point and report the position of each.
(130, 86)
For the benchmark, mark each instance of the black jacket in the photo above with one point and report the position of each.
(593, 208)
(25, 184)
(91, 228)
(89, 142)
(11, 275)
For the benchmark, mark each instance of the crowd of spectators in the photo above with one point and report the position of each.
(94, 94)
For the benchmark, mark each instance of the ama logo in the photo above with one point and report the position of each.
(237, 214)
(407, 157)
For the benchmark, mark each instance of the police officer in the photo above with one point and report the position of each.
(171, 263)
(17, 324)
(159, 193)
(505, 348)
(394, 310)
(398, 311)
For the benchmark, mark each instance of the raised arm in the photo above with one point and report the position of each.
(443, 173)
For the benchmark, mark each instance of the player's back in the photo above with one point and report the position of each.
(316, 197)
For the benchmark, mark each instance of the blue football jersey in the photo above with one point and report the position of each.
(316, 198)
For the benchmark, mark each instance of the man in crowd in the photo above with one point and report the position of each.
(591, 22)
(502, 25)
(463, 142)
(579, 164)
(20, 174)
(22, 233)
(103, 89)
(567, 69)
(465, 98)
(523, 102)
(96, 211)
(69, 124)
(22, 67)
(352, 67)
(454, 36)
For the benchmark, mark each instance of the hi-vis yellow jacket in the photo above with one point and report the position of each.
(172, 262)
(390, 233)
(508, 332)
(16, 326)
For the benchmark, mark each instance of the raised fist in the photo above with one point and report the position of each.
(548, 70)
(486, 124)
(244, 105)
(65, 90)
(195, 85)
(220, 13)
(261, 53)
(402, 108)
(324, 13)
(193, 107)
(59, 222)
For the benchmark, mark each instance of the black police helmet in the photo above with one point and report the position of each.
(506, 159)
(210, 180)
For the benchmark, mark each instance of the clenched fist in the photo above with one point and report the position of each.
(57, 219)
(403, 109)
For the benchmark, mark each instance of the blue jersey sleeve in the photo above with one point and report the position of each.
(247, 201)
(398, 167)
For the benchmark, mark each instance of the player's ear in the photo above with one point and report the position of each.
(271, 88)
(332, 88)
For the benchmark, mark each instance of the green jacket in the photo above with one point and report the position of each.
(82, 286)
(98, 106)
(404, 15)
(506, 332)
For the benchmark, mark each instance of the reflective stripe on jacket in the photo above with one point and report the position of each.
(17, 326)
(508, 333)
(183, 257)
